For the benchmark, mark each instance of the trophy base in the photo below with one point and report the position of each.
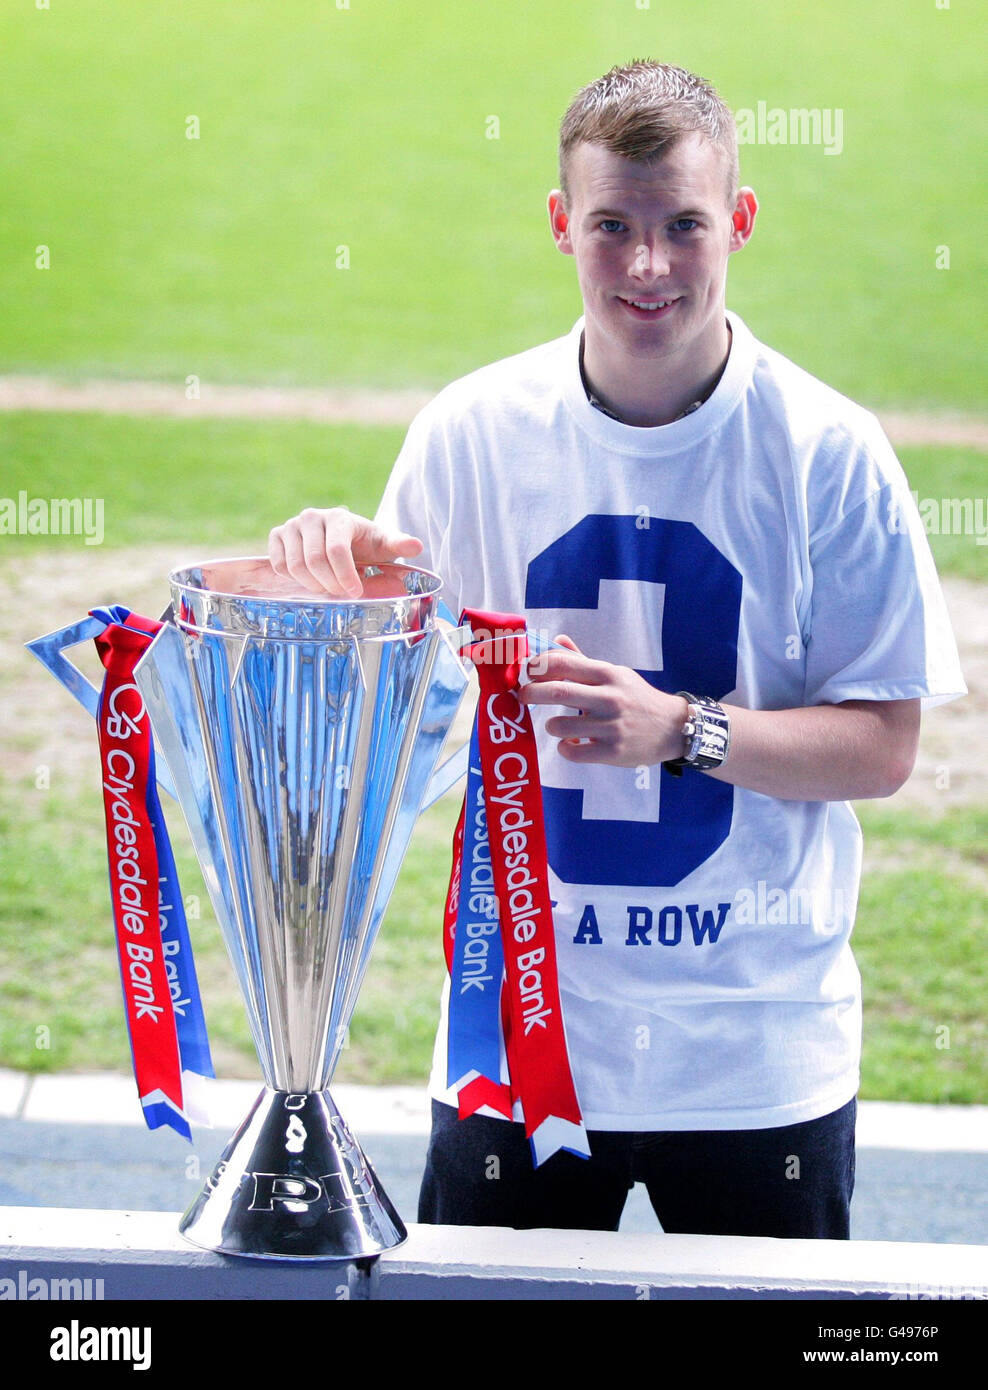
(293, 1184)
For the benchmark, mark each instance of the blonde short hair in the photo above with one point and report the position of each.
(640, 110)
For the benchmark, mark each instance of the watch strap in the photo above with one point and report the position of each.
(707, 732)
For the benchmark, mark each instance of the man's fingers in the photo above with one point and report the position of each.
(580, 695)
(576, 726)
(391, 546)
(321, 550)
(326, 555)
(369, 545)
(326, 546)
(567, 666)
(286, 549)
(575, 752)
(339, 557)
(276, 552)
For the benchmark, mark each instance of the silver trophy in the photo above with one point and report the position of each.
(302, 735)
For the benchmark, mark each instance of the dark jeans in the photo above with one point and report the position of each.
(792, 1181)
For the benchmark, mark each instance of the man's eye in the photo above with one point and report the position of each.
(685, 224)
(611, 224)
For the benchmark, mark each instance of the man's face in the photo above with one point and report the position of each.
(651, 243)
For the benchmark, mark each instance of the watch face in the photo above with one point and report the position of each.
(708, 731)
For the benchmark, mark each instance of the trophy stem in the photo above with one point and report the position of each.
(293, 1184)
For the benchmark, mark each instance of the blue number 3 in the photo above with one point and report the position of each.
(700, 625)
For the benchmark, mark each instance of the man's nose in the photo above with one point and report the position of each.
(650, 260)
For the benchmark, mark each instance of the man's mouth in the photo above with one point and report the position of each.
(647, 308)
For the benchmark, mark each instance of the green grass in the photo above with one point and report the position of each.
(201, 483)
(59, 959)
(366, 128)
(960, 832)
(918, 941)
(935, 474)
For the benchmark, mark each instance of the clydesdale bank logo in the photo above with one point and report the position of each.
(52, 516)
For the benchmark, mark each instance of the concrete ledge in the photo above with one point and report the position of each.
(488, 1262)
(140, 1255)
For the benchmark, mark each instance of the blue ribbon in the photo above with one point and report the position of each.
(474, 1043)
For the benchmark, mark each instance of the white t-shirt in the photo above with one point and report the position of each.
(763, 551)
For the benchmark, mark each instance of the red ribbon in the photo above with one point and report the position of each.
(453, 894)
(125, 750)
(535, 1038)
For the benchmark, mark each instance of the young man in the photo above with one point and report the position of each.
(754, 621)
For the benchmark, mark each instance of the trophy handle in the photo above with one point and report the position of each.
(446, 775)
(50, 651)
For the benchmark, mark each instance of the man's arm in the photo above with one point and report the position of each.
(850, 751)
(845, 752)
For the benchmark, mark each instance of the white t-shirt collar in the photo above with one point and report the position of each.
(670, 438)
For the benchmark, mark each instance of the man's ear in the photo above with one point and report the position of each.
(559, 223)
(743, 218)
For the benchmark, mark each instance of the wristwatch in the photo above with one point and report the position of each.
(707, 732)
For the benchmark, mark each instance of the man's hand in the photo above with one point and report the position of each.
(845, 752)
(321, 549)
(628, 722)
